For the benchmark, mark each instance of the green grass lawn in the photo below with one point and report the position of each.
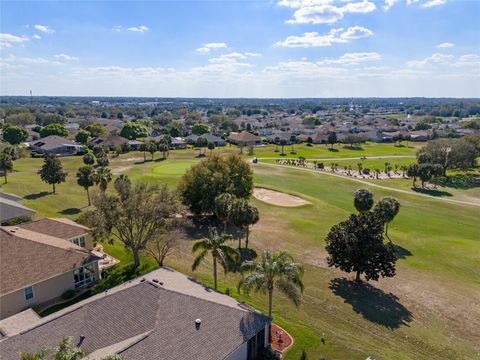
(339, 151)
(427, 311)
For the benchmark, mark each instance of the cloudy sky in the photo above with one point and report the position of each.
(282, 48)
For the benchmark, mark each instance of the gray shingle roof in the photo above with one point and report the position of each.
(166, 318)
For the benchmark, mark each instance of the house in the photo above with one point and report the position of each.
(245, 138)
(217, 141)
(110, 141)
(11, 209)
(163, 315)
(135, 144)
(41, 260)
(421, 135)
(177, 143)
(316, 138)
(56, 145)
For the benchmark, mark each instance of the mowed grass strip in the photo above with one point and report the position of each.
(438, 242)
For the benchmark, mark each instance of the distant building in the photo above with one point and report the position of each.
(218, 141)
(110, 141)
(245, 138)
(56, 145)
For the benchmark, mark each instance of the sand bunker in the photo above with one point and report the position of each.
(278, 198)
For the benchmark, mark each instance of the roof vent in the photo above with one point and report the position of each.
(80, 342)
(197, 323)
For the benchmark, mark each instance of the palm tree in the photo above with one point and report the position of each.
(6, 164)
(215, 244)
(102, 177)
(274, 271)
(85, 178)
(244, 214)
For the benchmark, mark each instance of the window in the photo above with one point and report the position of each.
(79, 241)
(84, 275)
(28, 292)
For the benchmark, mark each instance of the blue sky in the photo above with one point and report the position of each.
(282, 48)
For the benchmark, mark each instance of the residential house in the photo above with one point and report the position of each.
(164, 315)
(41, 260)
(245, 138)
(56, 145)
(109, 141)
(218, 141)
(135, 144)
(11, 209)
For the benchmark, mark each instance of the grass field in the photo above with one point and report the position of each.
(430, 310)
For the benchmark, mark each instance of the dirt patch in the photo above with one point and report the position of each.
(120, 170)
(278, 198)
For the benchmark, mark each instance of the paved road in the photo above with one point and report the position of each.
(453, 201)
(348, 158)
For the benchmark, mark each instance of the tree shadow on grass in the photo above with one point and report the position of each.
(432, 192)
(401, 252)
(36, 195)
(70, 211)
(372, 303)
(333, 150)
(245, 255)
(459, 181)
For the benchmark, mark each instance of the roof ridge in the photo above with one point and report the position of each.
(74, 247)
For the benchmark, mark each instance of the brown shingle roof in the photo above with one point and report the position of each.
(244, 136)
(27, 257)
(59, 227)
(161, 321)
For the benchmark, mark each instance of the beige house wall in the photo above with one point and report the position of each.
(88, 240)
(14, 302)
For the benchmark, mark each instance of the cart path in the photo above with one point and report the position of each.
(453, 201)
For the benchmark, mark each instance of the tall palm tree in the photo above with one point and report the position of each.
(85, 178)
(273, 271)
(215, 244)
(102, 177)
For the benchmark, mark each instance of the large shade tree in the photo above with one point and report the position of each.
(357, 244)
(52, 172)
(215, 245)
(213, 176)
(273, 271)
(134, 215)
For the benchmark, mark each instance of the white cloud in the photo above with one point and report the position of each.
(445, 45)
(36, 37)
(467, 60)
(205, 49)
(431, 3)
(388, 4)
(140, 29)
(325, 11)
(44, 29)
(314, 39)
(117, 28)
(436, 58)
(232, 57)
(65, 57)
(12, 59)
(352, 58)
(7, 40)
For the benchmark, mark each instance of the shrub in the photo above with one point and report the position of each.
(366, 171)
(69, 294)
(17, 220)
